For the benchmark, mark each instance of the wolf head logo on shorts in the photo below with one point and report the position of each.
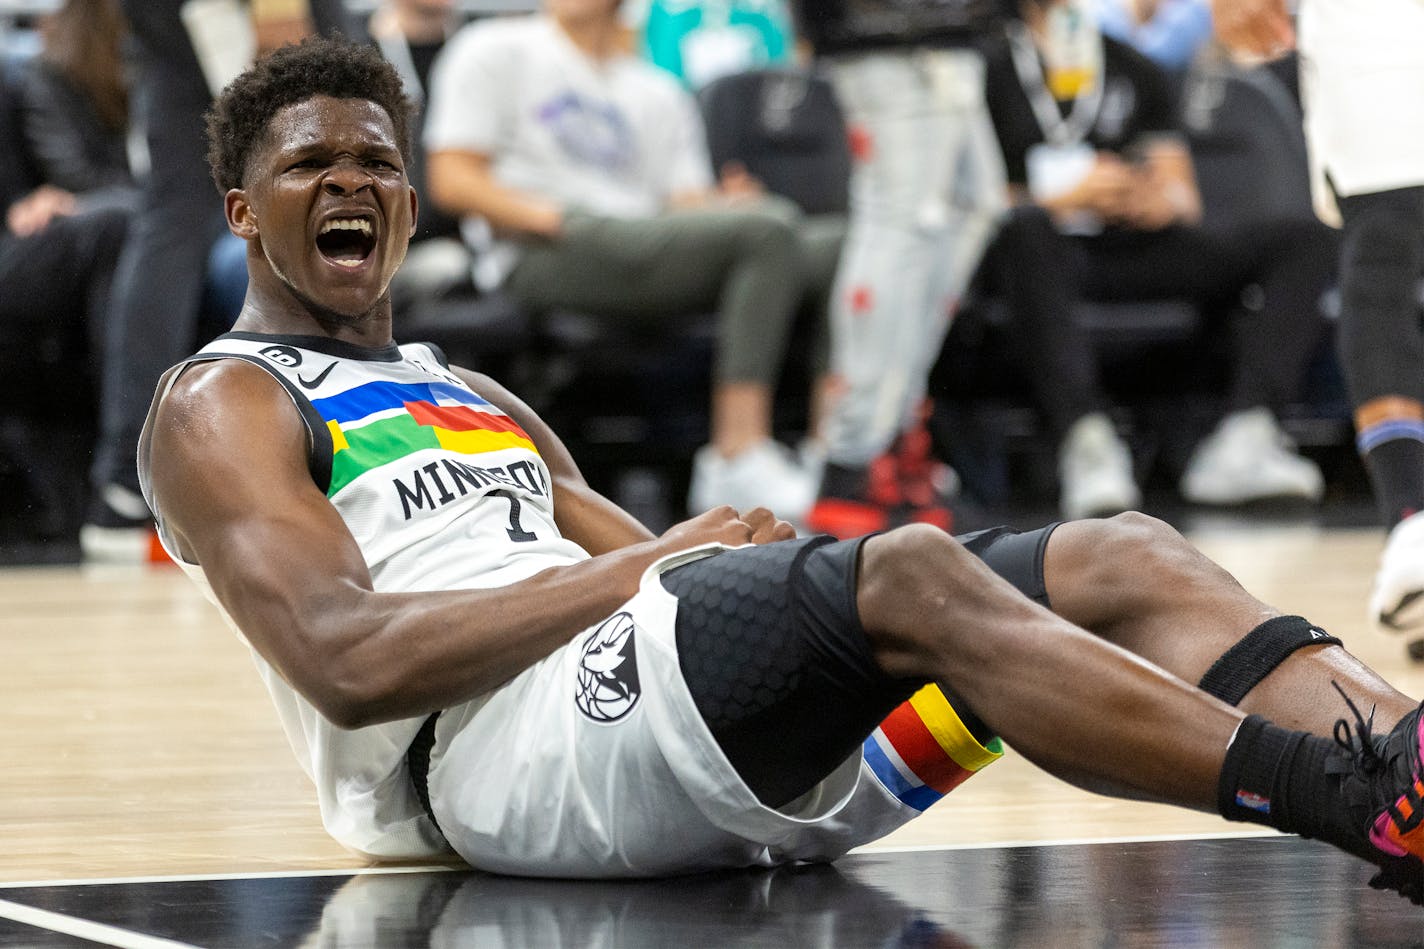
(608, 671)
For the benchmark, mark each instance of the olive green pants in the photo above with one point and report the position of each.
(753, 265)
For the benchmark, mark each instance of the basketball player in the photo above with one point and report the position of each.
(471, 651)
(1362, 77)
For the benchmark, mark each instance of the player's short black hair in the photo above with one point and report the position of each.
(237, 122)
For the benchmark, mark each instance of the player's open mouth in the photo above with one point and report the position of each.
(346, 241)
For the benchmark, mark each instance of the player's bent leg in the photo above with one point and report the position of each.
(1077, 705)
(1137, 582)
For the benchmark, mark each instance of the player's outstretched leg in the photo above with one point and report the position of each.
(1138, 583)
(1089, 710)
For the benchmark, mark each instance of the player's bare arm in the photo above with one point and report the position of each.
(229, 471)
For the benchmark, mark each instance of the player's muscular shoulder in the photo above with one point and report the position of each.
(225, 432)
(228, 398)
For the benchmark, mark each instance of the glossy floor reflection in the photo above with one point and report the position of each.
(1219, 893)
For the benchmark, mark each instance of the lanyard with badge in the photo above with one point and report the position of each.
(1071, 68)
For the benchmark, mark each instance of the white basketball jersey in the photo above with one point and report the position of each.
(442, 490)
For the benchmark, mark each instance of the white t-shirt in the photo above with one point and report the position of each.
(615, 137)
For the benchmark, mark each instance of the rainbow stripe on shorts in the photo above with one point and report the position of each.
(922, 751)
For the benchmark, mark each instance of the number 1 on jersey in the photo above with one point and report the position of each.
(516, 533)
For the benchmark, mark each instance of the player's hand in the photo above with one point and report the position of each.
(721, 525)
(766, 527)
(1257, 27)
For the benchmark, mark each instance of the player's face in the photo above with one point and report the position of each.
(329, 204)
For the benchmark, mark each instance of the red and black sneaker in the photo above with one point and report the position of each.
(1384, 789)
(906, 485)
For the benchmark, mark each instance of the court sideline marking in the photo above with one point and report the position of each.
(85, 929)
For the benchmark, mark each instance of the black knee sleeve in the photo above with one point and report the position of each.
(1257, 655)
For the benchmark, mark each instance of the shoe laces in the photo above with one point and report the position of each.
(1358, 742)
(1370, 757)
(1373, 755)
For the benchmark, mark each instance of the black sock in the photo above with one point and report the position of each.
(1396, 470)
(1283, 779)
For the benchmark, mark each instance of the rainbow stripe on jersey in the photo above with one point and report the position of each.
(922, 751)
(379, 422)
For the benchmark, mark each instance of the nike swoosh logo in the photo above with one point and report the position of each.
(321, 377)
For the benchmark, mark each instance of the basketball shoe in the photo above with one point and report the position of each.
(906, 485)
(1397, 601)
(1383, 789)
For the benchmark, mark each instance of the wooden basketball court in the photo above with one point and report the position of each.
(149, 799)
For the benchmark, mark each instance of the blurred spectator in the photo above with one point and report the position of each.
(926, 189)
(702, 40)
(584, 174)
(1362, 82)
(57, 256)
(158, 290)
(410, 35)
(1108, 209)
(76, 124)
(1168, 32)
(75, 101)
(57, 253)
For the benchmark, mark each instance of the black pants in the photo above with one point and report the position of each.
(1381, 341)
(54, 292)
(1042, 274)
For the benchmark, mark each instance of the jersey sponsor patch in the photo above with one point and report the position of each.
(608, 686)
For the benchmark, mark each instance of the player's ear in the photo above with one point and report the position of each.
(414, 210)
(241, 219)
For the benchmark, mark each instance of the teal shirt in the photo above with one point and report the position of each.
(699, 40)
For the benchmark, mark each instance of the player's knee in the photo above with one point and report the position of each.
(1097, 571)
(903, 571)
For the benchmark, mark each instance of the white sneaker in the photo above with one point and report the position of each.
(1397, 601)
(1095, 471)
(764, 475)
(118, 528)
(1248, 458)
